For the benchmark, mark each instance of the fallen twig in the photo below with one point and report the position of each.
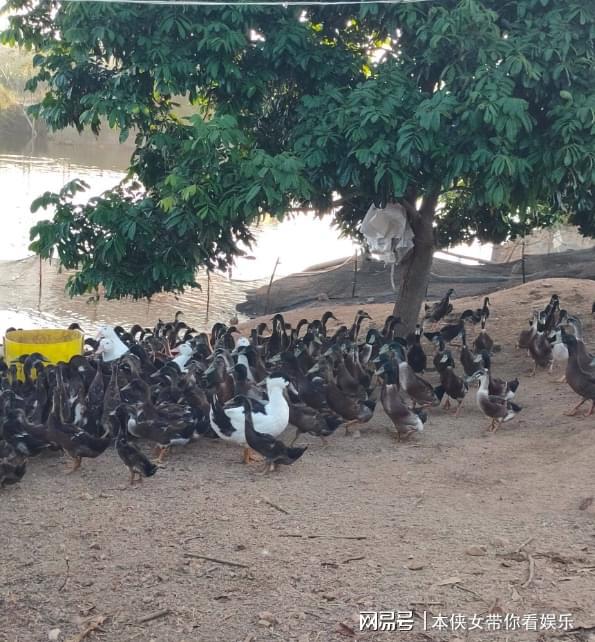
(216, 560)
(356, 537)
(189, 539)
(353, 559)
(149, 617)
(275, 506)
(468, 590)
(93, 625)
(524, 544)
(67, 576)
(531, 574)
(352, 537)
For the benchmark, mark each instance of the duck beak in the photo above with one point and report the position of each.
(314, 369)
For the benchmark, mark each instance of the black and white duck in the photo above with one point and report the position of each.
(273, 450)
(497, 408)
(497, 386)
(270, 418)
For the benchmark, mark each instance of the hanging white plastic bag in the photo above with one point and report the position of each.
(388, 233)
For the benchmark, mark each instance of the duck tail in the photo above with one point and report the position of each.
(514, 407)
(332, 423)
(370, 403)
(439, 392)
(149, 468)
(423, 415)
(294, 453)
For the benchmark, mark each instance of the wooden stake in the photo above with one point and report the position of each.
(208, 295)
(40, 289)
(266, 307)
(354, 277)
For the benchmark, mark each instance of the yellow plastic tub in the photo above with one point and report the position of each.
(54, 345)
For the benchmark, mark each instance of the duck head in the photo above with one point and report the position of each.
(115, 347)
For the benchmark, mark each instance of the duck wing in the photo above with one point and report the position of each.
(219, 418)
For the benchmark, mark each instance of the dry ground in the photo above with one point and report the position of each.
(364, 524)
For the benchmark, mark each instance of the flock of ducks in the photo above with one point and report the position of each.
(170, 385)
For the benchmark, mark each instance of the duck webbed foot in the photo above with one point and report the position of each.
(266, 468)
(459, 408)
(163, 451)
(76, 464)
(573, 412)
(588, 414)
(348, 425)
(250, 456)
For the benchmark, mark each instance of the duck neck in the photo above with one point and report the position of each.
(392, 378)
(243, 359)
(276, 397)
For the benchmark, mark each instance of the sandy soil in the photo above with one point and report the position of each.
(364, 524)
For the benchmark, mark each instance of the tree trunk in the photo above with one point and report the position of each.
(415, 269)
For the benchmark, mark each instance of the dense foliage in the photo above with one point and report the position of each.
(477, 115)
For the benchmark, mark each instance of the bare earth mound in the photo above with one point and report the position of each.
(335, 281)
(436, 525)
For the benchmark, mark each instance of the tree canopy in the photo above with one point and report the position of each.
(477, 115)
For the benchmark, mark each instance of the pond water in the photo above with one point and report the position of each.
(299, 242)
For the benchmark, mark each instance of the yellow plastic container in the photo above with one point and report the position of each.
(54, 345)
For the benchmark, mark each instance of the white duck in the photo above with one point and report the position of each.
(114, 348)
(107, 350)
(184, 354)
(270, 418)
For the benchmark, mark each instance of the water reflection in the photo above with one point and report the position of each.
(298, 242)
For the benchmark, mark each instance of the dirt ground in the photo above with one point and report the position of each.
(366, 523)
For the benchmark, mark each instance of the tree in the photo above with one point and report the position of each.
(478, 116)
